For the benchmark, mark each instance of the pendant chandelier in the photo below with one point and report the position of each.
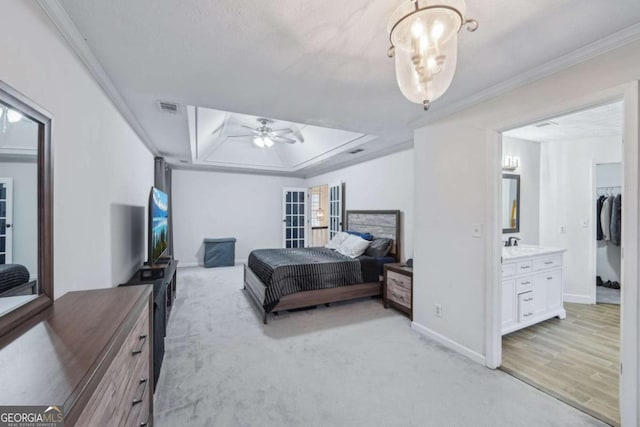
(424, 42)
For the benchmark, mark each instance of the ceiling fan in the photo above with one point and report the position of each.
(264, 136)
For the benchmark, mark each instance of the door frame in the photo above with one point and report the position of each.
(630, 338)
(8, 243)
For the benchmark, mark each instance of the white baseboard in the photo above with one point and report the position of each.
(449, 343)
(578, 299)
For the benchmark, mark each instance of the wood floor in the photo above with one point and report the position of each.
(575, 359)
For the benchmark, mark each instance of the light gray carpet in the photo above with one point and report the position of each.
(607, 295)
(352, 364)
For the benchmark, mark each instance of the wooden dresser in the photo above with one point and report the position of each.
(89, 354)
(397, 288)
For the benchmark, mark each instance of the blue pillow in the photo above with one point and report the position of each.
(365, 236)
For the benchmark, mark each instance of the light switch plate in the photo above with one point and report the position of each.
(476, 230)
(563, 229)
(585, 223)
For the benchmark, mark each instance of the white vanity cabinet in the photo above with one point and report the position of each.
(531, 286)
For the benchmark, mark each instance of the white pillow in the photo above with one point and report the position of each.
(337, 240)
(353, 246)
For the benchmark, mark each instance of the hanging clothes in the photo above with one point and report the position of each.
(616, 220)
(599, 203)
(605, 218)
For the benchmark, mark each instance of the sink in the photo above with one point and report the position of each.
(518, 251)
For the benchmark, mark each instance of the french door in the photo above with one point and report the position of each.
(6, 220)
(335, 209)
(294, 213)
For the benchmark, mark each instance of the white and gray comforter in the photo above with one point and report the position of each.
(287, 271)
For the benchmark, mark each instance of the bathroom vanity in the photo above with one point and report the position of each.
(532, 286)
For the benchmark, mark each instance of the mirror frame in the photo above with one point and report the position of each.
(30, 109)
(517, 179)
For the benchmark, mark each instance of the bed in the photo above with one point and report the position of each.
(287, 279)
(14, 280)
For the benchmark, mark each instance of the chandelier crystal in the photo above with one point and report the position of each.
(424, 43)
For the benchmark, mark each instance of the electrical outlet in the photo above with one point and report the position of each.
(563, 229)
(585, 223)
(476, 230)
(438, 310)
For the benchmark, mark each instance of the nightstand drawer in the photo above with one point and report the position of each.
(398, 294)
(399, 280)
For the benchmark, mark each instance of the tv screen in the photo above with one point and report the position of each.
(158, 224)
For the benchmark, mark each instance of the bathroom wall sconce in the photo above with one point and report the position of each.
(510, 163)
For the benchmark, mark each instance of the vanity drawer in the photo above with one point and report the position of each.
(398, 294)
(545, 263)
(508, 270)
(524, 284)
(525, 306)
(399, 280)
(524, 267)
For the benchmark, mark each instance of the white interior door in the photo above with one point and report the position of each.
(335, 209)
(294, 217)
(6, 220)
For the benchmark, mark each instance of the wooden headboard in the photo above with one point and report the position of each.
(380, 224)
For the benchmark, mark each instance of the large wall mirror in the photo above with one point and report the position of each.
(26, 254)
(510, 203)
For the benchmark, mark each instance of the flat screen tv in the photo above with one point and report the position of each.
(158, 225)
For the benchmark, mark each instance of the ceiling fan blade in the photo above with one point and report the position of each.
(278, 132)
(248, 127)
(240, 136)
(283, 139)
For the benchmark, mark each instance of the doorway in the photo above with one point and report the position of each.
(553, 335)
(320, 215)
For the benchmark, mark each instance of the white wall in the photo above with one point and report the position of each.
(450, 268)
(25, 212)
(608, 260)
(215, 204)
(385, 183)
(102, 171)
(567, 200)
(529, 171)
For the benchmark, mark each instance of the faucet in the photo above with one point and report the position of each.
(509, 242)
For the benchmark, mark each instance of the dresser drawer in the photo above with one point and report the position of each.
(112, 400)
(524, 267)
(524, 284)
(526, 306)
(398, 294)
(545, 263)
(508, 270)
(399, 280)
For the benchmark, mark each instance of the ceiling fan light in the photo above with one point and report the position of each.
(13, 116)
(267, 141)
(258, 141)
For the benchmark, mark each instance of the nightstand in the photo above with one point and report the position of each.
(397, 288)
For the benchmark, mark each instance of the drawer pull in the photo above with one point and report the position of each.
(549, 278)
(527, 314)
(397, 296)
(143, 338)
(524, 267)
(144, 382)
(143, 424)
(526, 283)
(528, 299)
(548, 262)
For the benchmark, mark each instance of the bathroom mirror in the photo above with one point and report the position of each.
(510, 203)
(26, 279)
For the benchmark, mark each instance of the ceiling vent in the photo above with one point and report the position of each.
(545, 124)
(356, 151)
(168, 107)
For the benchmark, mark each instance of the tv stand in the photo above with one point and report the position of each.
(164, 294)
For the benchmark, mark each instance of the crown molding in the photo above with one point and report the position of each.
(70, 32)
(606, 44)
